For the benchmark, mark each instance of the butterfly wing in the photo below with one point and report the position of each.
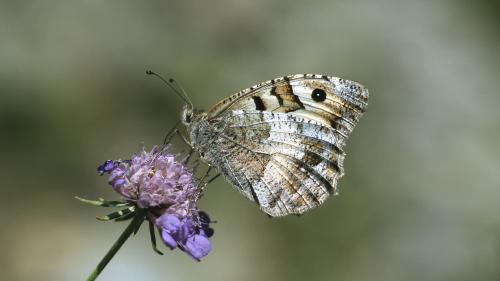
(281, 142)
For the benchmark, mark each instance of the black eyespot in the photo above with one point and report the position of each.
(318, 95)
(187, 117)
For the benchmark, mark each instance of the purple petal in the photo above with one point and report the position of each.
(169, 222)
(168, 239)
(185, 179)
(118, 183)
(106, 167)
(185, 231)
(116, 173)
(198, 246)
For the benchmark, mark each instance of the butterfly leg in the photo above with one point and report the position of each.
(183, 138)
(202, 184)
(175, 130)
(204, 177)
(206, 183)
(170, 133)
(212, 179)
(153, 238)
(186, 160)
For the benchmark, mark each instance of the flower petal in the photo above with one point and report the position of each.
(198, 246)
(169, 222)
(106, 167)
(168, 239)
(117, 183)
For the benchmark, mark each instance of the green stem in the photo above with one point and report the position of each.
(134, 224)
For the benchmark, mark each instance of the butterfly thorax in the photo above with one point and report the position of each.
(201, 131)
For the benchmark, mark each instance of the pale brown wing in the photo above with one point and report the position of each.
(283, 139)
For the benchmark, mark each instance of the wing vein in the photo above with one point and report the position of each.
(333, 163)
(283, 121)
(322, 181)
(265, 183)
(317, 177)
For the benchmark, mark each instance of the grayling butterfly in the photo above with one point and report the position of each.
(281, 142)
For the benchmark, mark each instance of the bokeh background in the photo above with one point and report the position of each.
(420, 200)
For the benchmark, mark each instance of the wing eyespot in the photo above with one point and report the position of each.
(318, 95)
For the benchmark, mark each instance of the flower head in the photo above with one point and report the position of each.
(151, 179)
(157, 182)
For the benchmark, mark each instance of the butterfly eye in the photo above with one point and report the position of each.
(187, 118)
(187, 114)
(318, 95)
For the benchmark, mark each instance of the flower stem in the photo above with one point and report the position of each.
(131, 228)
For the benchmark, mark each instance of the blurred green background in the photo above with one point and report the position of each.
(420, 199)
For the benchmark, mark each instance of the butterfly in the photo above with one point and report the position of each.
(281, 142)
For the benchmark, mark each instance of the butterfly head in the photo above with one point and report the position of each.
(187, 114)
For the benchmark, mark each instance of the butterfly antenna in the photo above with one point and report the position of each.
(172, 84)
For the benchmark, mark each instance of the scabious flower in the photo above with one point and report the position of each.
(165, 188)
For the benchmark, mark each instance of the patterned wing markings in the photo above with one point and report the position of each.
(314, 155)
(311, 188)
(318, 112)
(339, 109)
(279, 180)
(281, 142)
(321, 166)
(259, 190)
(318, 153)
(315, 145)
(286, 123)
(272, 197)
(303, 198)
(344, 93)
(277, 176)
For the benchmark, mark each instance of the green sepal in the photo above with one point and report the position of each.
(153, 238)
(104, 203)
(125, 217)
(118, 215)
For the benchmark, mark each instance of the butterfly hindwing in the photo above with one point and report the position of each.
(297, 167)
(281, 142)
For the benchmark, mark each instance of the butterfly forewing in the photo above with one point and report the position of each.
(281, 142)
